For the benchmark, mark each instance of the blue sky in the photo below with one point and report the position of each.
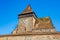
(9, 10)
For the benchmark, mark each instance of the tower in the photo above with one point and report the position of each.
(26, 20)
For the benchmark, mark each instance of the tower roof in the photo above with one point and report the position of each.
(27, 10)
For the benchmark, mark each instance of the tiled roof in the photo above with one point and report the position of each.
(44, 23)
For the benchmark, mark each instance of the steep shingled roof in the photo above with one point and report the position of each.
(27, 10)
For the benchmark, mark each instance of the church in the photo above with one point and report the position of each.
(30, 27)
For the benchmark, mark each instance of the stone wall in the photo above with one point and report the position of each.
(31, 37)
(24, 25)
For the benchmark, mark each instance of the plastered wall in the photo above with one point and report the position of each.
(32, 37)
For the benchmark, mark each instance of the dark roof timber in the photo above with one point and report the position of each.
(28, 14)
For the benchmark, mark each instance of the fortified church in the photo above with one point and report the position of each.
(30, 27)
